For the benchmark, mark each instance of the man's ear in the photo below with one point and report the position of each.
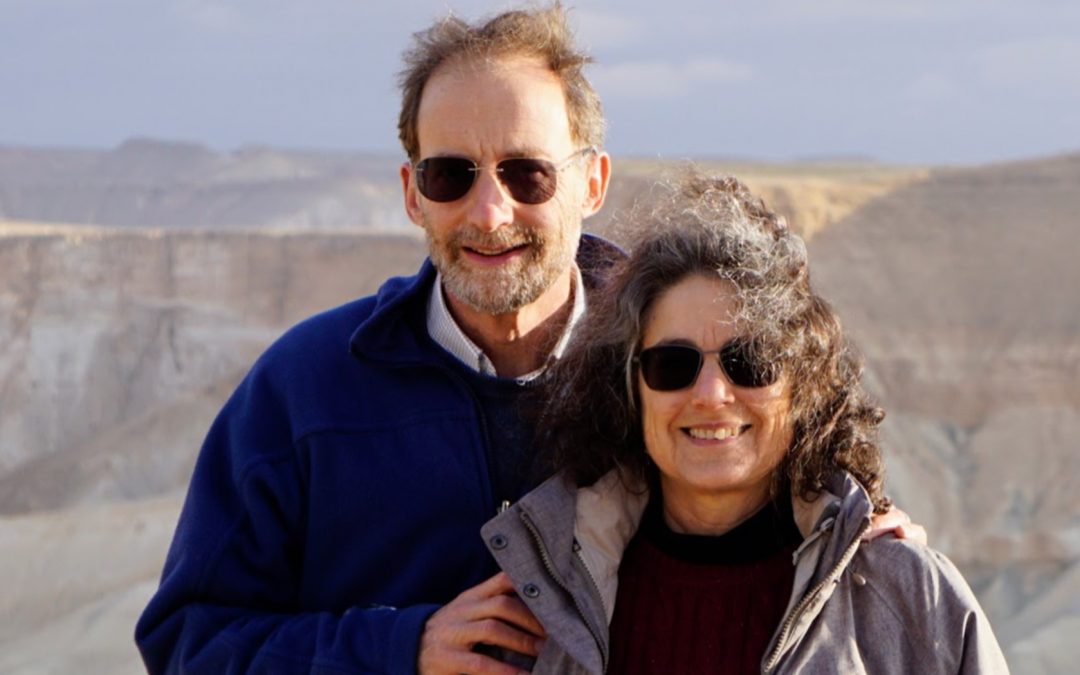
(412, 196)
(598, 175)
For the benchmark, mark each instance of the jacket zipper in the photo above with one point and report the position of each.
(789, 622)
(595, 587)
(545, 558)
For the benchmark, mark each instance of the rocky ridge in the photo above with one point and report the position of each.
(961, 292)
(118, 345)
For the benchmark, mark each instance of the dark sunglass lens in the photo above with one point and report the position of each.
(745, 367)
(445, 179)
(530, 181)
(670, 367)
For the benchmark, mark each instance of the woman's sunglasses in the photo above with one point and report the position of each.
(674, 367)
(528, 180)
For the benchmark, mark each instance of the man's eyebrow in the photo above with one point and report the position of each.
(516, 153)
(524, 151)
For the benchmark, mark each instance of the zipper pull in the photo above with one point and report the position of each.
(503, 505)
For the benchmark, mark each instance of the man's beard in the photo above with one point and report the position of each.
(508, 287)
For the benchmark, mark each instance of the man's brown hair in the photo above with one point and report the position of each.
(542, 33)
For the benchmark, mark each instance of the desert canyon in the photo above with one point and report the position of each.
(138, 284)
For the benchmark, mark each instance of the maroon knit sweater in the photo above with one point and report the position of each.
(699, 604)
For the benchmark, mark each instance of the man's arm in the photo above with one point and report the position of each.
(230, 593)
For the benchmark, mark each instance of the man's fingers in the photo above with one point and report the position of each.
(478, 664)
(495, 598)
(895, 522)
(892, 518)
(510, 609)
(467, 662)
(496, 585)
(488, 613)
(499, 634)
(502, 621)
(448, 648)
(913, 532)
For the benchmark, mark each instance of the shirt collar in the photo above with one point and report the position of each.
(446, 332)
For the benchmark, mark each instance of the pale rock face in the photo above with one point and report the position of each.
(118, 346)
(960, 290)
(149, 183)
(1048, 650)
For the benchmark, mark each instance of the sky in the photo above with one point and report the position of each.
(898, 81)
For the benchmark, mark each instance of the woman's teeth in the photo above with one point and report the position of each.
(714, 434)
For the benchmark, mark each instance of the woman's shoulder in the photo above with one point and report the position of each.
(912, 573)
(898, 585)
(898, 608)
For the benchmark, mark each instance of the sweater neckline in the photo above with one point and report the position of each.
(762, 535)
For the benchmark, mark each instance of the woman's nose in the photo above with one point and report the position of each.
(712, 386)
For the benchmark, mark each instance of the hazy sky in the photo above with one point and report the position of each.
(922, 81)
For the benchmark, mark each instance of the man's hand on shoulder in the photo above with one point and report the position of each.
(488, 613)
(897, 523)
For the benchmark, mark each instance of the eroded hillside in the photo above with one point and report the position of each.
(119, 344)
(961, 290)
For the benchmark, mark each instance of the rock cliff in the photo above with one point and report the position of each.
(961, 292)
(118, 344)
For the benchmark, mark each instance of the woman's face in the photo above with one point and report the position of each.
(711, 439)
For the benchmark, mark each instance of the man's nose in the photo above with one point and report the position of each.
(490, 205)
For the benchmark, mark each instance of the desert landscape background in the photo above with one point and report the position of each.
(138, 284)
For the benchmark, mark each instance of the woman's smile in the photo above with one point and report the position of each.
(712, 439)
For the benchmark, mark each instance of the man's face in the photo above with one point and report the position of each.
(498, 255)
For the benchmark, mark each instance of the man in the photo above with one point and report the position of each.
(332, 523)
(338, 499)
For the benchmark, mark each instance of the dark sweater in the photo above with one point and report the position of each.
(502, 402)
(701, 604)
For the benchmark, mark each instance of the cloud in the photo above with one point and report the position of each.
(932, 88)
(211, 17)
(659, 79)
(1045, 63)
(854, 10)
(607, 30)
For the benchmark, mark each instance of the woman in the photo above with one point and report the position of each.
(710, 428)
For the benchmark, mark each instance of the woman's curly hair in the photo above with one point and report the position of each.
(591, 422)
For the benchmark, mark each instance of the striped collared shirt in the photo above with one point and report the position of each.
(447, 334)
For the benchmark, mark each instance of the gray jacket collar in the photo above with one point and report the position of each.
(607, 514)
(576, 537)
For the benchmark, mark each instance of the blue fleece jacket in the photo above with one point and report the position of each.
(336, 502)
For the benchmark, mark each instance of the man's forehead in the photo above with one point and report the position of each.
(465, 67)
(516, 103)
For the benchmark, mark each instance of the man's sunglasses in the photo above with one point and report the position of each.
(674, 367)
(528, 180)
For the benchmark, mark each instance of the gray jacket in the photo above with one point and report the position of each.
(884, 606)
